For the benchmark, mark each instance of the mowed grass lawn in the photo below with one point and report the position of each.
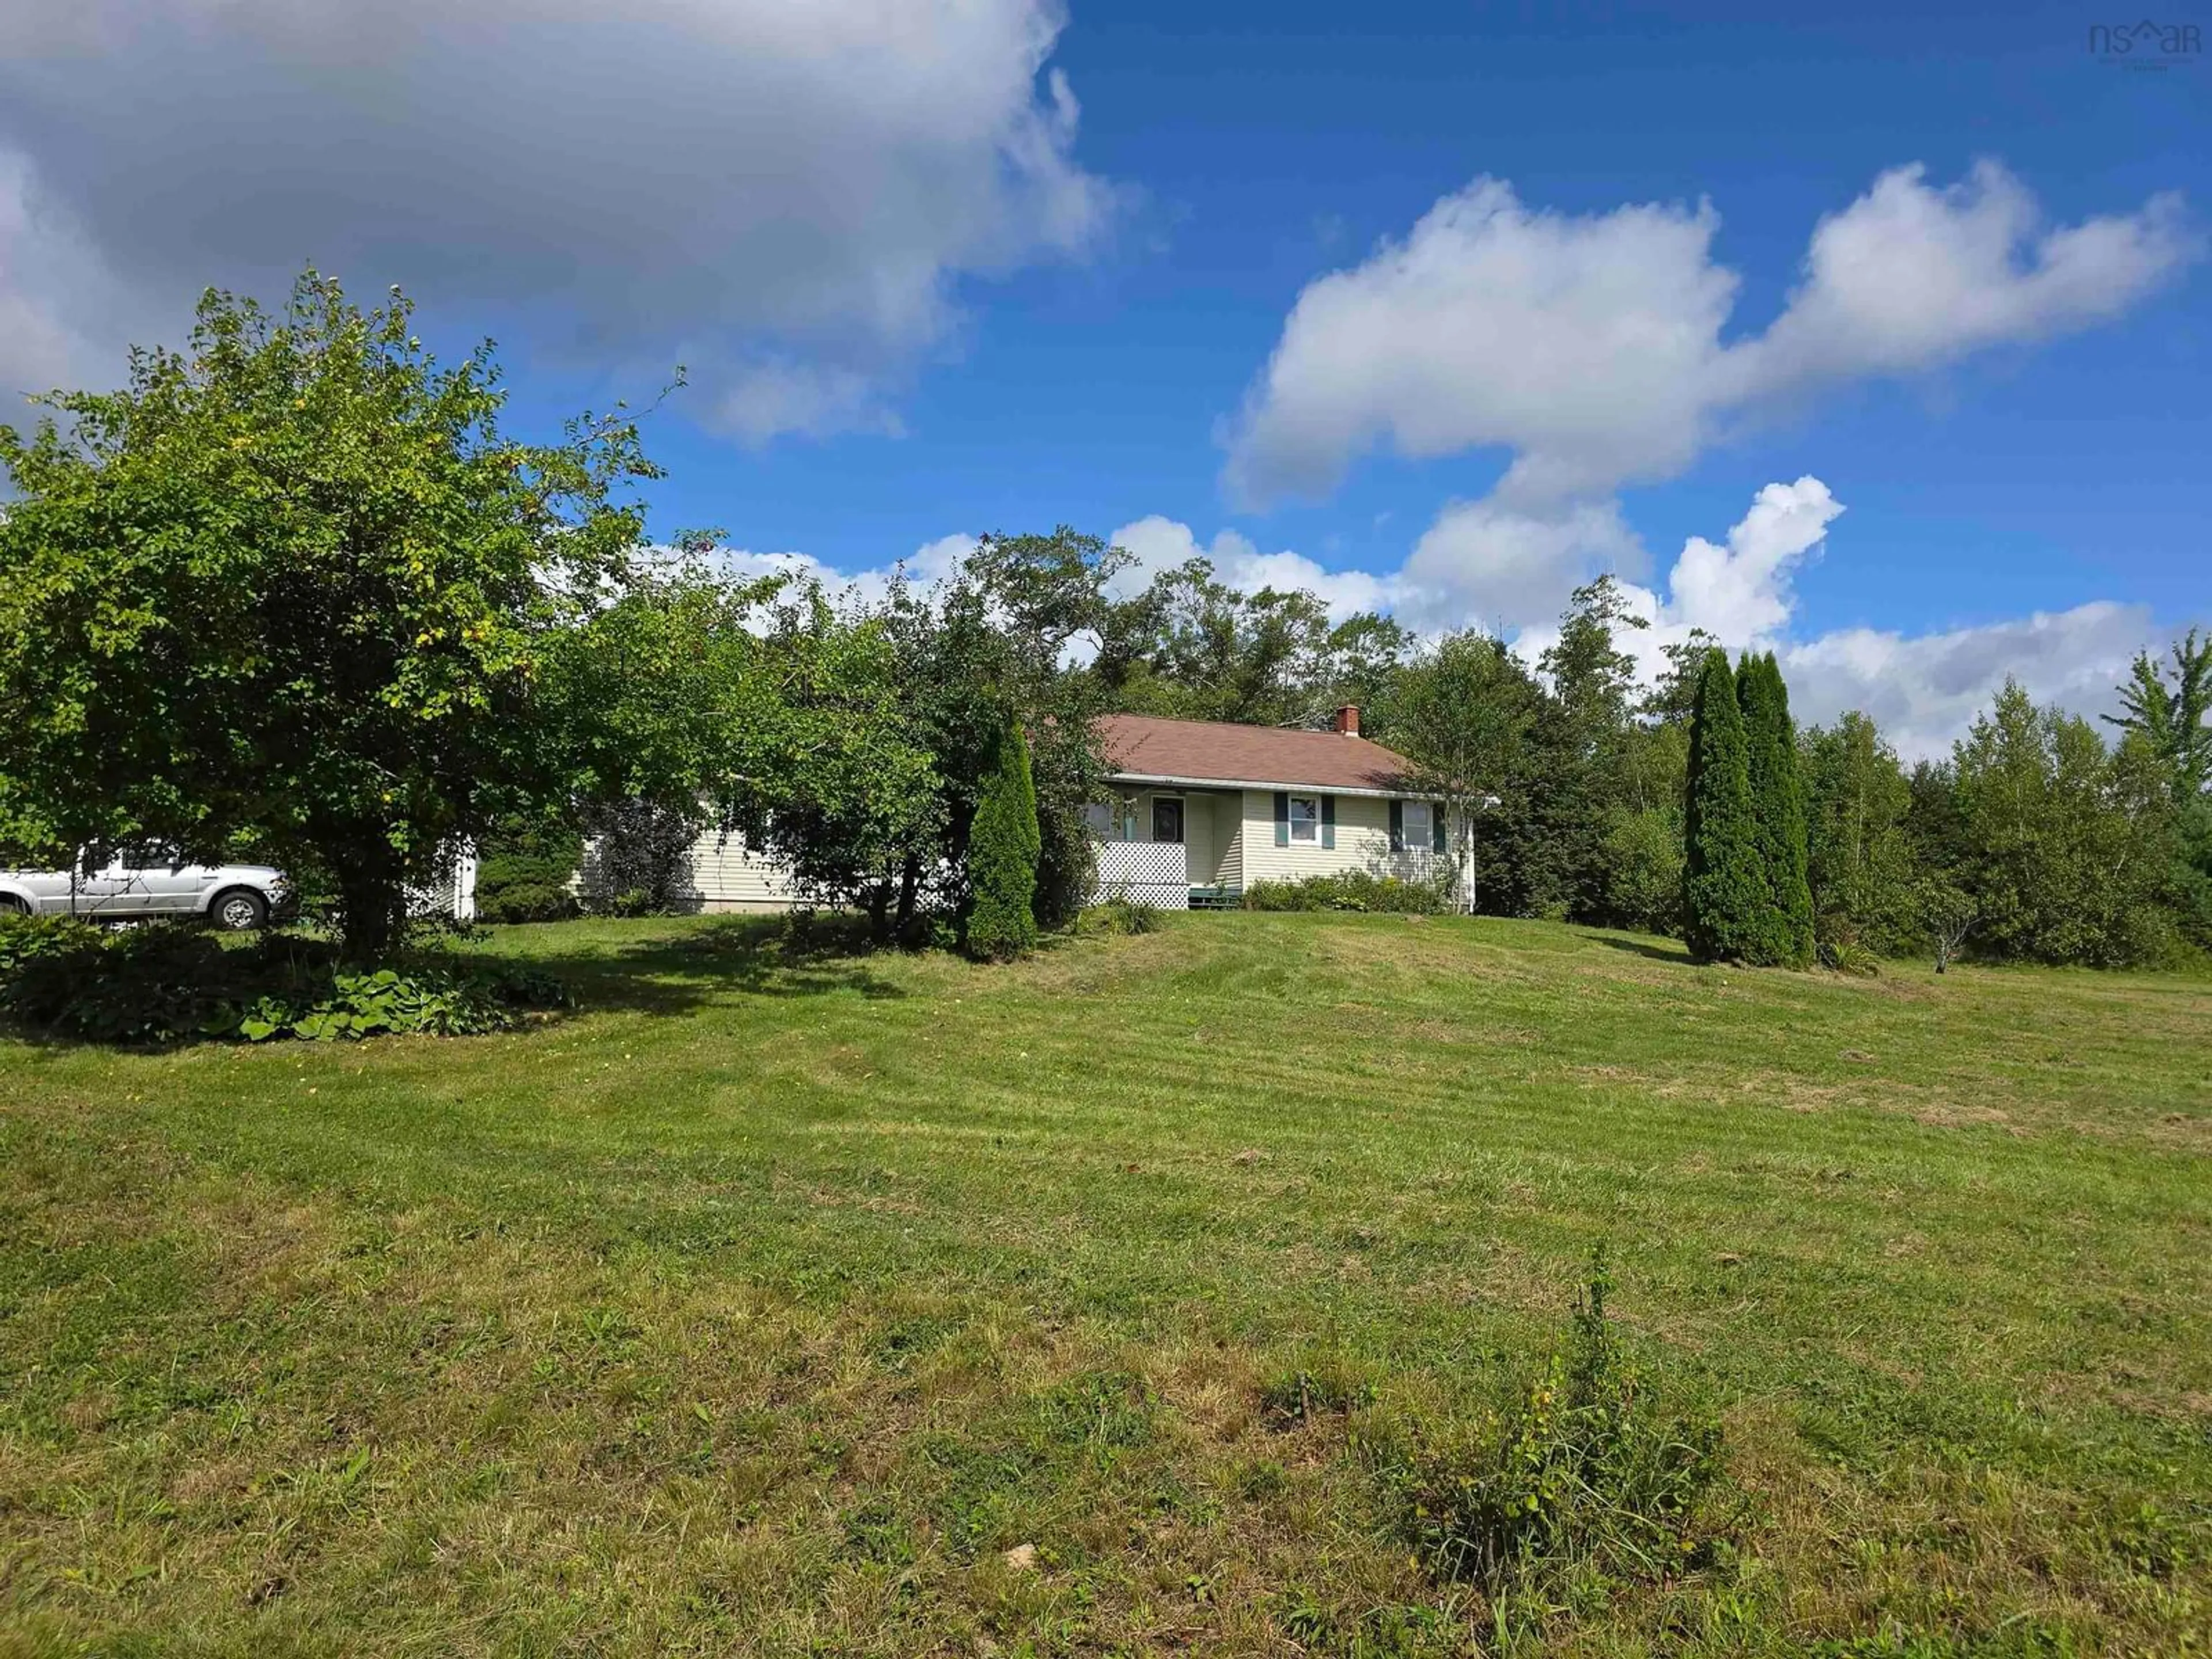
(767, 1303)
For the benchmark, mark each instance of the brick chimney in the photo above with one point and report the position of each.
(1347, 721)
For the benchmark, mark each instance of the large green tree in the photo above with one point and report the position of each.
(997, 634)
(2167, 711)
(1544, 850)
(833, 775)
(1724, 896)
(2170, 711)
(2065, 847)
(1860, 865)
(1461, 712)
(1778, 806)
(293, 585)
(1191, 646)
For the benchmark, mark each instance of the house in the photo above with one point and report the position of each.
(1199, 810)
(1202, 809)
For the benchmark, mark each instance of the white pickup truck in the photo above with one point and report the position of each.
(147, 883)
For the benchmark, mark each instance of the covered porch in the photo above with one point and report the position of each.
(1180, 849)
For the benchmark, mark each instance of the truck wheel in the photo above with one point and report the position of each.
(12, 906)
(239, 910)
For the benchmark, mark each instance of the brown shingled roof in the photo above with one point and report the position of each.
(1205, 751)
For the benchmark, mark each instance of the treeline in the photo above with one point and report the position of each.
(1571, 788)
(293, 592)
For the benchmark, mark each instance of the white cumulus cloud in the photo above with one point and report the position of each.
(1740, 592)
(931, 562)
(1909, 276)
(788, 198)
(1505, 567)
(1591, 346)
(1583, 345)
(1924, 690)
(1160, 544)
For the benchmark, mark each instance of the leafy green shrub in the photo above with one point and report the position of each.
(527, 901)
(25, 938)
(1354, 890)
(1118, 916)
(152, 984)
(523, 874)
(422, 1002)
(630, 901)
(1642, 860)
(1584, 1470)
(165, 984)
(1841, 949)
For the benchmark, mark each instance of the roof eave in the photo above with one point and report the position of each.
(1156, 778)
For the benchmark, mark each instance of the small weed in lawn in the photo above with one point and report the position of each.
(1325, 1387)
(875, 1531)
(1586, 1475)
(1105, 1410)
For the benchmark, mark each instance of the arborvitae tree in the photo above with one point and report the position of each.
(1778, 806)
(1002, 854)
(1724, 901)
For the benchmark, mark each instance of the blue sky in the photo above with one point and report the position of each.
(961, 354)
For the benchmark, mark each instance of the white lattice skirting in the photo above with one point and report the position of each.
(1155, 871)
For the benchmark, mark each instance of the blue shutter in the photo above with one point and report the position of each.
(1437, 824)
(1328, 820)
(1282, 818)
(1397, 826)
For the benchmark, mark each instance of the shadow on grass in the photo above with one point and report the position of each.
(1656, 951)
(755, 956)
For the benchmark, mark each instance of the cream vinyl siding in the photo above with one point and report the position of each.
(1363, 839)
(724, 875)
(1230, 810)
(1363, 842)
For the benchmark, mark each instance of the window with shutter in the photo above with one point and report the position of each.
(1414, 823)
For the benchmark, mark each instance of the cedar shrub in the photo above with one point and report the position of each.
(1003, 847)
(1724, 886)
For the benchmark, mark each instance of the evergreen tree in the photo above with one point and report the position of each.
(2173, 718)
(1724, 888)
(1003, 846)
(524, 869)
(1778, 807)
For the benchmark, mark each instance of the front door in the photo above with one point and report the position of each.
(1167, 818)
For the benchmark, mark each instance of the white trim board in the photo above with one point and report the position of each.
(1150, 780)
